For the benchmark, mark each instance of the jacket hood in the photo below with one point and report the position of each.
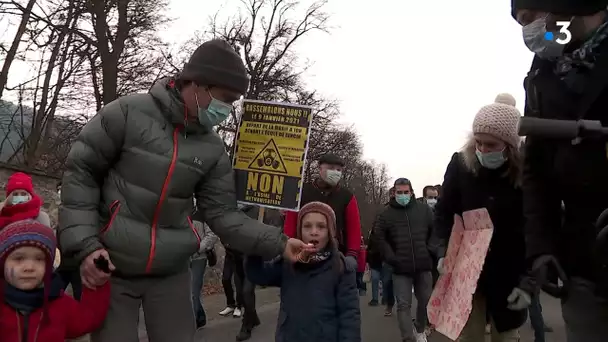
(173, 108)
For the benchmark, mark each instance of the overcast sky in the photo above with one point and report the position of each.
(410, 75)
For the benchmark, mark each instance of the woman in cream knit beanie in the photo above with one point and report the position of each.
(485, 174)
(499, 119)
(494, 139)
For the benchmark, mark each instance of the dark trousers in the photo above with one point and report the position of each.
(388, 294)
(435, 272)
(245, 290)
(229, 272)
(71, 277)
(361, 285)
(585, 313)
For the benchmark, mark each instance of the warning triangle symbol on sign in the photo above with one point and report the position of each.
(269, 159)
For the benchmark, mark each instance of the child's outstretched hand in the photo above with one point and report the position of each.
(295, 249)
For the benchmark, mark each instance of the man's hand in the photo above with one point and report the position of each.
(440, 267)
(92, 276)
(518, 300)
(296, 250)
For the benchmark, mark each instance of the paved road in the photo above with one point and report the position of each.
(375, 327)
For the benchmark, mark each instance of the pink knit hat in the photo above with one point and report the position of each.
(499, 119)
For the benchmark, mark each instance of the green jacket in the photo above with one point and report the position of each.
(128, 188)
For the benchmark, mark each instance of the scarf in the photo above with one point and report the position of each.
(573, 67)
(319, 256)
(28, 301)
(316, 257)
(17, 212)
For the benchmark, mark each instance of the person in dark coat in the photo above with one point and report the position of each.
(327, 189)
(568, 82)
(404, 231)
(319, 299)
(487, 174)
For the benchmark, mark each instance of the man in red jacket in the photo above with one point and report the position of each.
(326, 189)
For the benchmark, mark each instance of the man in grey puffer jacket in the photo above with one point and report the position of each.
(127, 195)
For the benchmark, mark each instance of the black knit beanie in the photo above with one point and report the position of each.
(215, 63)
(564, 7)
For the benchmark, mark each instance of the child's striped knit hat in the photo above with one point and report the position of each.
(27, 233)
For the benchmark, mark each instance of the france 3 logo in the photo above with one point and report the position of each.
(564, 36)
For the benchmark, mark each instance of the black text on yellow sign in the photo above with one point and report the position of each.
(272, 140)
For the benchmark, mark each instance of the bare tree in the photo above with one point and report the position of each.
(265, 33)
(12, 51)
(124, 36)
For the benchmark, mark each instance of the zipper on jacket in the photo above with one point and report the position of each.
(409, 229)
(38, 327)
(161, 199)
(23, 328)
(114, 209)
(199, 238)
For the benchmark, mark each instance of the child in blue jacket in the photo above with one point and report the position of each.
(319, 298)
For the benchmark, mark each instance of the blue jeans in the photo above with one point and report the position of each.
(388, 295)
(197, 271)
(376, 275)
(536, 319)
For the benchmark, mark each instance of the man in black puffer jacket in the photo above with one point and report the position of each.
(403, 232)
(568, 82)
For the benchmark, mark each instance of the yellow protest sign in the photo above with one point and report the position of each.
(270, 152)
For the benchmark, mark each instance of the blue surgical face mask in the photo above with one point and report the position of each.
(20, 199)
(215, 113)
(403, 199)
(491, 160)
(332, 177)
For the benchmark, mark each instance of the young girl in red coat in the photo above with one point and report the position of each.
(33, 307)
(21, 202)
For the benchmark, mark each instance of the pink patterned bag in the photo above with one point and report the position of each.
(452, 299)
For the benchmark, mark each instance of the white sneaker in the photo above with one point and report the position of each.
(238, 312)
(227, 311)
(421, 337)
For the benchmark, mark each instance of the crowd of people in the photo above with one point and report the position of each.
(127, 240)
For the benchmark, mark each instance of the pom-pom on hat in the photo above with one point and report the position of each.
(19, 181)
(499, 119)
